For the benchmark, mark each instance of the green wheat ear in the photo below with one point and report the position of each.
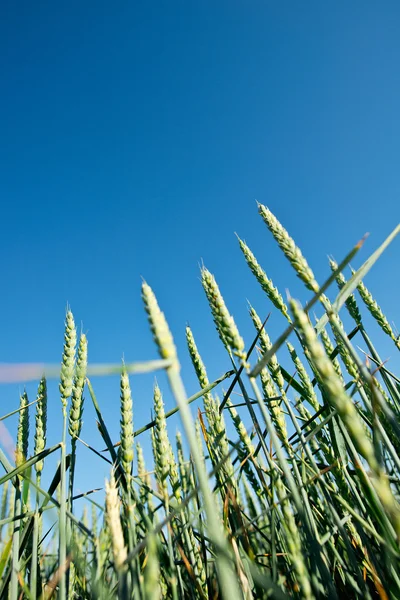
(289, 248)
(68, 359)
(196, 359)
(266, 283)
(41, 422)
(22, 431)
(224, 322)
(376, 312)
(76, 410)
(159, 326)
(201, 373)
(126, 425)
(160, 442)
(165, 463)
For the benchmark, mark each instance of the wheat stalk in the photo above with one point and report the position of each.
(65, 388)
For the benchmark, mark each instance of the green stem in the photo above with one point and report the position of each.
(15, 543)
(72, 475)
(35, 541)
(174, 576)
(62, 553)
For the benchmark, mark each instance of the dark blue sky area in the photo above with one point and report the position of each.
(135, 139)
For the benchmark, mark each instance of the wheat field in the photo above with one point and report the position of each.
(284, 482)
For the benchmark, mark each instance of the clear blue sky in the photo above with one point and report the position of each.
(135, 139)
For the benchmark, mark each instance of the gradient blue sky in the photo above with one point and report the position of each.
(135, 139)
